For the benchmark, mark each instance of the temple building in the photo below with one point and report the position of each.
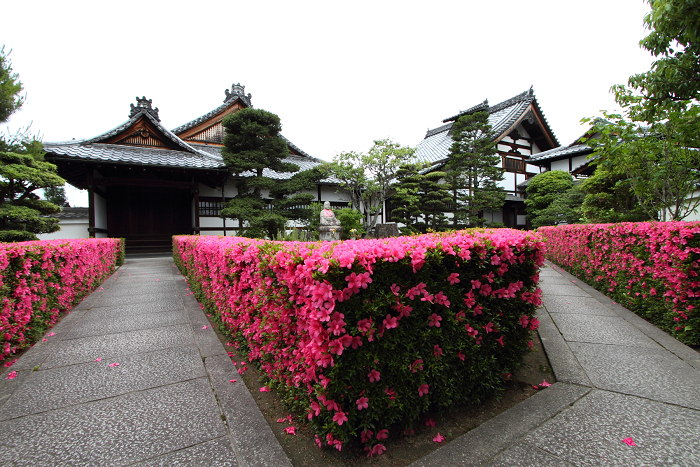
(521, 131)
(147, 183)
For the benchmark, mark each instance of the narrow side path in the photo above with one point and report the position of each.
(618, 377)
(133, 376)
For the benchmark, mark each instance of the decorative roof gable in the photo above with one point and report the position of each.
(207, 129)
(504, 117)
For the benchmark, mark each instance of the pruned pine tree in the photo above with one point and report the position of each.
(473, 170)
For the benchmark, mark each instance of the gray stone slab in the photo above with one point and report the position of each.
(10, 386)
(566, 290)
(117, 431)
(214, 453)
(87, 349)
(153, 287)
(548, 271)
(99, 324)
(526, 455)
(498, 434)
(75, 384)
(554, 279)
(651, 373)
(600, 330)
(252, 436)
(577, 305)
(173, 303)
(134, 299)
(591, 432)
(562, 360)
(208, 342)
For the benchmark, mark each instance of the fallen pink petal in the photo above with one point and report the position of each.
(290, 430)
(114, 364)
(44, 340)
(9, 364)
(430, 422)
(232, 381)
(205, 327)
(629, 442)
(51, 334)
(264, 389)
(98, 359)
(439, 438)
(545, 384)
(12, 375)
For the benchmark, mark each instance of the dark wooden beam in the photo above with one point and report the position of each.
(111, 181)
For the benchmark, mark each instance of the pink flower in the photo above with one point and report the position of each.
(461, 355)
(470, 330)
(383, 434)
(416, 366)
(544, 384)
(9, 364)
(340, 418)
(366, 435)
(500, 341)
(290, 430)
(488, 328)
(441, 299)
(439, 438)
(453, 278)
(423, 390)
(373, 376)
(437, 351)
(362, 403)
(11, 375)
(377, 450)
(395, 289)
(98, 359)
(429, 422)
(232, 381)
(534, 323)
(629, 442)
(390, 322)
(51, 334)
(434, 320)
(264, 389)
(114, 364)
(524, 320)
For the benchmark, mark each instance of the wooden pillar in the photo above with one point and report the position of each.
(195, 184)
(91, 203)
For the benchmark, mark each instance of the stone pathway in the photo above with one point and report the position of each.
(170, 402)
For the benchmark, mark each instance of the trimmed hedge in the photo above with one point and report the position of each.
(651, 268)
(361, 335)
(41, 279)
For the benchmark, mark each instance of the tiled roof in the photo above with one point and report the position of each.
(122, 154)
(437, 142)
(71, 213)
(561, 152)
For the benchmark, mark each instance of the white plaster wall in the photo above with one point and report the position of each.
(70, 228)
(100, 212)
(508, 182)
(577, 161)
(695, 215)
(560, 165)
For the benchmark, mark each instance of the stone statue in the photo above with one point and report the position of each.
(329, 226)
(328, 216)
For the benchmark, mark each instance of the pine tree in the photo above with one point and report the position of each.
(473, 170)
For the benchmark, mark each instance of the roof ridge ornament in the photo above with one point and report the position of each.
(237, 90)
(143, 105)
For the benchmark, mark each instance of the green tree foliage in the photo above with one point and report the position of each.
(22, 170)
(420, 200)
(369, 177)
(674, 38)
(553, 198)
(10, 88)
(609, 197)
(57, 196)
(350, 219)
(473, 170)
(252, 144)
(658, 154)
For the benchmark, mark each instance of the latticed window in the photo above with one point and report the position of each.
(514, 165)
(209, 207)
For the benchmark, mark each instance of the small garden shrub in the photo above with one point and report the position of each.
(649, 267)
(41, 279)
(364, 335)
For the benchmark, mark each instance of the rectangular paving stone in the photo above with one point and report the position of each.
(483, 443)
(567, 290)
(591, 432)
(142, 288)
(100, 324)
(554, 279)
(51, 389)
(134, 299)
(117, 431)
(577, 305)
(526, 455)
(86, 349)
(653, 373)
(214, 453)
(564, 364)
(173, 303)
(600, 330)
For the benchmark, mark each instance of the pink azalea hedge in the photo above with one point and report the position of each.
(363, 335)
(649, 267)
(41, 279)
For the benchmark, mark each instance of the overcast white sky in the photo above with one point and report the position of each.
(339, 75)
